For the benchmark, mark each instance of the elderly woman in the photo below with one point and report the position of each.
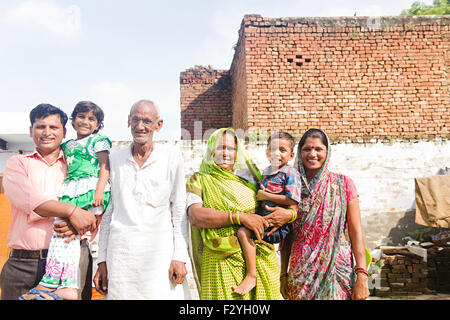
(220, 197)
(321, 258)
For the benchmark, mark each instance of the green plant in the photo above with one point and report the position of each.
(375, 268)
(419, 234)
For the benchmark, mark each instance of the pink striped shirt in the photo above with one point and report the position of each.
(28, 182)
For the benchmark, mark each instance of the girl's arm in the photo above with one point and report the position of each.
(103, 160)
(360, 289)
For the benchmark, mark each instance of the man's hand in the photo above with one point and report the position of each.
(83, 221)
(65, 229)
(177, 271)
(101, 278)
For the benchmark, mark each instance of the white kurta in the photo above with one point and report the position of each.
(145, 226)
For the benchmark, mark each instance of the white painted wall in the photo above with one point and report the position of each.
(383, 173)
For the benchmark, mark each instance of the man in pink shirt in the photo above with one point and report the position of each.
(31, 183)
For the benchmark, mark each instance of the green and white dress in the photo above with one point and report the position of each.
(83, 170)
(79, 188)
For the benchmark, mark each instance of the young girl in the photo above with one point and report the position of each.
(86, 186)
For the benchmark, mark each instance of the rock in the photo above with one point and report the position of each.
(426, 244)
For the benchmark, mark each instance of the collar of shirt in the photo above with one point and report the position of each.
(38, 156)
(269, 171)
(151, 158)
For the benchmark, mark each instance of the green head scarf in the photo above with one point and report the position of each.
(225, 191)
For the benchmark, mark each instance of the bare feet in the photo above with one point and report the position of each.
(67, 293)
(31, 296)
(246, 285)
(64, 293)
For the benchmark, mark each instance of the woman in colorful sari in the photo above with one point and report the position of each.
(319, 257)
(220, 197)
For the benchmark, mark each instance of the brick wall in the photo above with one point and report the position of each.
(239, 85)
(205, 99)
(358, 78)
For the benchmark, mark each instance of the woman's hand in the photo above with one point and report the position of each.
(255, 223)
(360, 289)
(284, 287)
(277, 218)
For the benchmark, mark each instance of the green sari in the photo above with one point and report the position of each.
(216, 254)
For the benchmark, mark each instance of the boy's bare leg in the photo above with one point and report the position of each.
(249, 249)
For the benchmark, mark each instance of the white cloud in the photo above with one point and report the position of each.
(31, 14)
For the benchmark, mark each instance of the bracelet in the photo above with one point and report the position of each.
(283, 275)
(294, 215)
(361, 270)
(230, 215)
(237, 218)
(72, 212)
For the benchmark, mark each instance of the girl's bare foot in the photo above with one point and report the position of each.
(67, 293)
(30, 296)
(246, 285)
(64, 293)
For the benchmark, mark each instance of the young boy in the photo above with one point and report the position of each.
(280, 187)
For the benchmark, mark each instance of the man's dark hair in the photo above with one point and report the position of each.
(282, 135)
(44, 110)
(85, 106)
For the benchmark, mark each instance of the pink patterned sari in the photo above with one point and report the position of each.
(321, 262)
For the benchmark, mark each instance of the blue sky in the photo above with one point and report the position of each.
(117, 52)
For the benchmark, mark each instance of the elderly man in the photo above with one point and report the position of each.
(31, 183)
(143, 234)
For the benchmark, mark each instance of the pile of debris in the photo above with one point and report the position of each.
(413, 269)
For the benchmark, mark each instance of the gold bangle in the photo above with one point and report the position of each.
(294, 215)
(237, 218)
(230, 215)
